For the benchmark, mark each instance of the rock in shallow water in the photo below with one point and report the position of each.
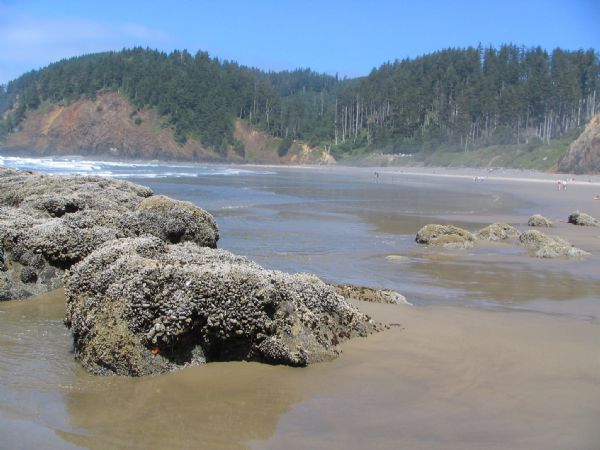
(139, 306)
(545, 246)
(583, 219)
(537, 220)
(498, 232)
(447, 236)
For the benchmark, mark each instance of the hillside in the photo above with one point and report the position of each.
(439, 107)
(264, 148)
(110, 126)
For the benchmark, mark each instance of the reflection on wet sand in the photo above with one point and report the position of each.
(512, 281)
(446, 377)
(454, 378)
(219, 405)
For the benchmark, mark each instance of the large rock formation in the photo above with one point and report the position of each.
(140, 306)
(147, 291)
(583, 155)
(48, 223)
(447, 236)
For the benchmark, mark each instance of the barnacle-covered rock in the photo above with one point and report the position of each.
(498, 232)
(48, 223)
(138, 306)
(447, 236)
(583, 219)
(537, 220)
(544, 246)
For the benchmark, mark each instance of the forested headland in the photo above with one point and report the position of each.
(453, 100)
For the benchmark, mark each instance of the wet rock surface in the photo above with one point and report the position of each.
(537, 220)
(583, 219)
(539, 244)
(544, 246)
(498, 232)
(447, 236)
(366, 294)
(138, 306)
(48, 223)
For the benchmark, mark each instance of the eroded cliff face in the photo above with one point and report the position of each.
(110, 126)
(261, 147)
(583, 155)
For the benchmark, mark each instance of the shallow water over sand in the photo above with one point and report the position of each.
(448, 377)
(512, 363)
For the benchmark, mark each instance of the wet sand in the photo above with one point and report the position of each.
(519, 368)
(455, 378)
(439, 378)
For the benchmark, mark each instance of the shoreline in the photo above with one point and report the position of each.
(508, 174)
(466, 173)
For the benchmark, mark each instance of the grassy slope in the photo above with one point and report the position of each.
(521, 156)
(539, 156)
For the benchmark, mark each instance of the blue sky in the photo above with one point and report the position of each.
(346, 37)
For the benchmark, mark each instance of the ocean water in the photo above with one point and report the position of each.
(349, 226)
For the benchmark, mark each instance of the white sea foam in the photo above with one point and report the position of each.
(120, 169)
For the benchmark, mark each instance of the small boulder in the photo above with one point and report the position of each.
(447, 236)
(498, 232)
(583, 219)
(537, 220)
(545, 246)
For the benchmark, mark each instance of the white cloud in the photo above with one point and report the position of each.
(28, 42)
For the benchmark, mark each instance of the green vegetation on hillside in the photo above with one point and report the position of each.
(535, 155)
(455, 102)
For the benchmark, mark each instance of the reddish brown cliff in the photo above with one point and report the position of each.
(108, 125)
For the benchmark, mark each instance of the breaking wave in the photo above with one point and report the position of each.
(116, 169)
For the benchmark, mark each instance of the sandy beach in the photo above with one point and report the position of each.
(500, 349)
